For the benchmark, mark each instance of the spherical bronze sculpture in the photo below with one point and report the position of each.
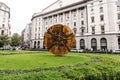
(59, 39)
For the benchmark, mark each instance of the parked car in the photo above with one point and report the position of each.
(117, 51)
(77, 50)
(1, 48)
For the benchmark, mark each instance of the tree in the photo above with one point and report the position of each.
(4, 40)
(15, 40)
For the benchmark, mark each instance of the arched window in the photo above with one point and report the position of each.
(75, 44)
(38, 44)
(94, 44)
(2, 32)
(119, 42)
(82, 44)
(75, 30)
(103, 43)
(34, 44)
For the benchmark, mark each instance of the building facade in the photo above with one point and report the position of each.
(4, 19)
(26, 36)
(96, 23)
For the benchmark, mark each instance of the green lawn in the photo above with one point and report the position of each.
(38, 60)
(42, 65)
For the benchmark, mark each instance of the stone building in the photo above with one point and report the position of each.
(4, 19)
(26, 36)
(96, 23)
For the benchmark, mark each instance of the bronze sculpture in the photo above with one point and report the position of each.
(59, 39)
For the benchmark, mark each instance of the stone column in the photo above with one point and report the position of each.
(58, 19)
(77, 20)
(70, 22)
(52, 20)
(64, 18)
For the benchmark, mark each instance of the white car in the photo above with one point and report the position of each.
(117, 51)
(77, 50)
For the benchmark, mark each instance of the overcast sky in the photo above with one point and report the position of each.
(22, 11)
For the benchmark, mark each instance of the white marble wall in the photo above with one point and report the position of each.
(5, 19)
(79, 17)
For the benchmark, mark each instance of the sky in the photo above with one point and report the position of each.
(22, 10)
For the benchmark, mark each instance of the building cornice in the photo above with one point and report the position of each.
(50, 5)
(118, 34)
(5, 5)
(8, 11)
(5, 10)
(62, 8)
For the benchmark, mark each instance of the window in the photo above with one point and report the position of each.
(92, 4)
(34, 44)
(39, 21)
(39, 28)
(82, 14)
(119, 27)
(4, 19)
(100, 0)
(102, 29)
(51, 20)
(38, 44)
(46, 28)
(103, 43)
(68, 24)
(36, 22)
(82, 22)
(2, 32)
(38, 36)
(92, 19)
(82, 44)
(60, 3)
(67, 16)
(46, 22)
(118, 16)
(93, 30)
(74, 45)
(92, 9)
(61, 17)
(35, 36)
(3, 25)
(55, 18)
(101, 9)
(75, 30)
(74, 14)
(118, 42)
(74, 23)
(82, 31)
(94, 44)
(118, 8)
(101, 17)
(35, 29)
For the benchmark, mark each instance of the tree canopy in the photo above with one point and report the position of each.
(4, 40)
(15, 40)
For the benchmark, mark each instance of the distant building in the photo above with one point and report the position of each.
(4, 19)
(26, 36)
(22, 38)
(96, 23)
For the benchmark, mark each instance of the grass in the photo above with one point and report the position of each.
(38, 60)
(42, 65)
